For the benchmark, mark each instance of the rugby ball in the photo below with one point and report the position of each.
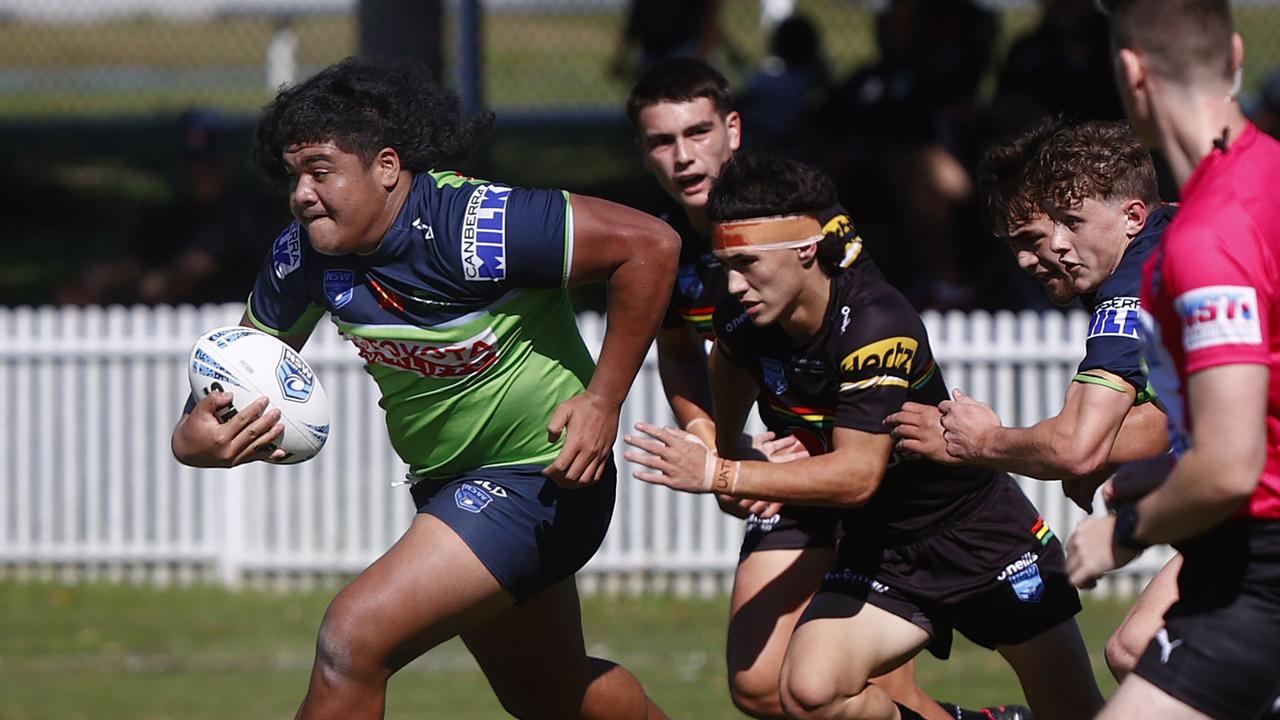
(249, 364)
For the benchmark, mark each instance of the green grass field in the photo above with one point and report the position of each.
(106, 652)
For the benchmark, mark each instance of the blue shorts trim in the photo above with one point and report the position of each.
(528, 531)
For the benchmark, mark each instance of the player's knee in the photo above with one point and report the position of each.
(755, 692)
(1123, 650)
(808, 696)
(343, 652)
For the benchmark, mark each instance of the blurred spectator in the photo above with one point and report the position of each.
(892, 140)
(1062, 66)
(1264, 110)
(660, 29)
(204, 246)
(781, 98)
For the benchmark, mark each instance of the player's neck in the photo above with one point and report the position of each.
(1197, 122)
(391, 208)
(810, 308)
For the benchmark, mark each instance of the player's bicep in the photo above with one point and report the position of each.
(607, 234)
(294, 340)
(1228, 409)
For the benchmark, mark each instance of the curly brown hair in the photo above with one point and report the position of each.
(1007, 199)
(1101, 160)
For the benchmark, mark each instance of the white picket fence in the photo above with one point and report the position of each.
(89, 489)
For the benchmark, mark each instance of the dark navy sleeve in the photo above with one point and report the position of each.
(280, 303)
(517, 236)
(1112, 344)
(879, 348)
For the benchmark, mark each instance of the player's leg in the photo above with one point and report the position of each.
(840, 643)
(1139, 698)
(427, 588)
(535, 659)
(783, 562)
(1055, 673)
(1128, 642)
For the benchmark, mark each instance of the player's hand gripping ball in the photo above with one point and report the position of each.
(250, 364)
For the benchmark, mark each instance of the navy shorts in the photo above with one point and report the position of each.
(528, 531)
(1219, 650)
(996, 573)
(795, 527)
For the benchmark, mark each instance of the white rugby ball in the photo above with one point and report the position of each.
(249, 364)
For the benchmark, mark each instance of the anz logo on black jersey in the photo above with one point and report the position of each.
(484, 234)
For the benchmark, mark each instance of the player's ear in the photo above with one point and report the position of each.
(1135, 217)
(386, 166)
(733, 124)
(1237, 62)
(1131, 71)
(807, 254)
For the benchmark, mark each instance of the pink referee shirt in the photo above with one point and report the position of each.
(1210, 291)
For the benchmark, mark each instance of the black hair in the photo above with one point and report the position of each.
(679, 80)
(364, 106)
(752, 185)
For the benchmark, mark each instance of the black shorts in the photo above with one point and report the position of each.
(795, 527)
(528, 531)
(996, 573)
(1219, 650)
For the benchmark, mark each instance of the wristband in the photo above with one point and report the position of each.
(725, 479)
(1126, 526)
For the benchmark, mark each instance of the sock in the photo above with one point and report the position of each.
(960, 713)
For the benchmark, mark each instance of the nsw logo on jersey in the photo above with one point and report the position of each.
(1117, 317)
(1023, 575)
(688, 282)
(1219, 315)
(484, 234)
(884, 362)
(296, 379)
(775, 375)
(339, 286)
(286, 254)
(466, 357)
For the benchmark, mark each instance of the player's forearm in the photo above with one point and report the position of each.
(1203, 491)
(633, 317)
(1045, 451)
(822, 480)
(685, 385)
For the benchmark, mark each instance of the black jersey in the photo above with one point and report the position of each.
(1113, 344)
(869, 357)
(700, 280)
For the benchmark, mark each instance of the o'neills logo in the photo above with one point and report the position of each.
(1017, 566)
(467, 357)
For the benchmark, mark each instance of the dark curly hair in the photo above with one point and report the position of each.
(752, 185)
(365, 106)
(1102, 160)
(1007, 198)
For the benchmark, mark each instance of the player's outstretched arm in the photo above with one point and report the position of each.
(1077, 442)
(847, 476)
(636, 254)
(200, 439)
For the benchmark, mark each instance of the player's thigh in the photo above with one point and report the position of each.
(1147, 614)
(1137, 698)
(533, 654)
(841, 642)
(770, 590)
(1055, 672)
(426, 589)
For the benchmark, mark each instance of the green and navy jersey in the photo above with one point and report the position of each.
(1113, 343)
(461, 316)
(870, 355)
